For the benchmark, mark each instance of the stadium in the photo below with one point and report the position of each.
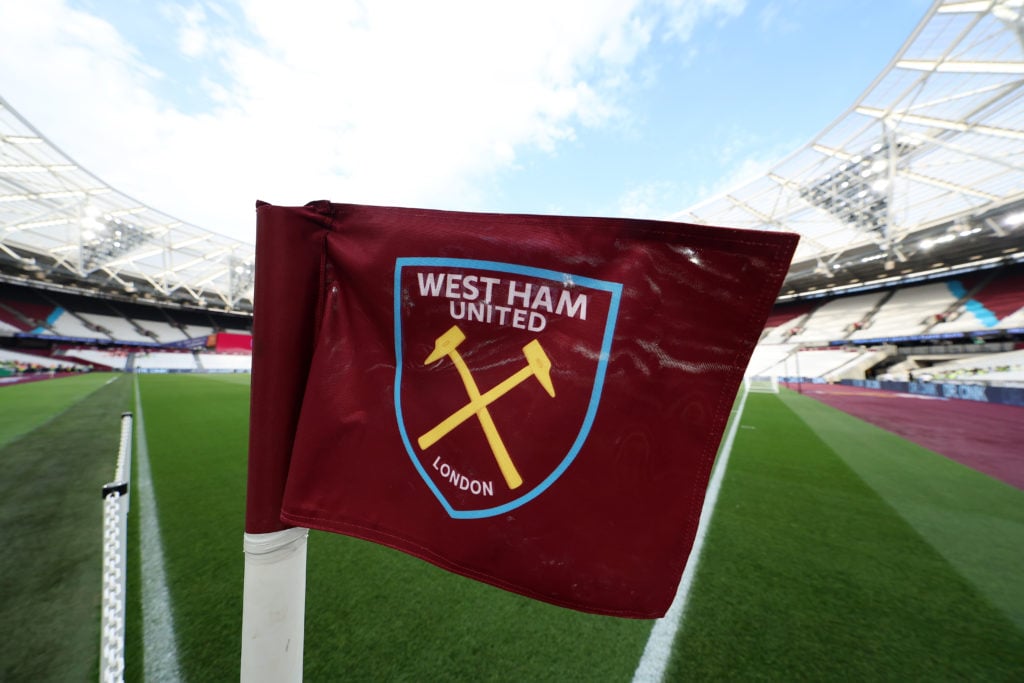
(868, 515)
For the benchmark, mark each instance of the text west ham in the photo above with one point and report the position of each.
(502, 302)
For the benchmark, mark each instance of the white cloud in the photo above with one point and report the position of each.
(192, 37)
(654, 200)
(686, 15)
(409, 103)
(742, 168)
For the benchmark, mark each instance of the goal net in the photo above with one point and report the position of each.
(762, 384)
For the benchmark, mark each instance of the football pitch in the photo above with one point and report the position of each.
(837, 551)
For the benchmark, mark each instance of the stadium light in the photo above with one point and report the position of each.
(855, 191)
(112, 238)
(241, 273)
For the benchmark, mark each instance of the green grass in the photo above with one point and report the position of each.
(51, 516)
(197, 429)
(974, 521)
(809, 573)
(838, 551)
(27, 406)
(376, 614)
(371, 613)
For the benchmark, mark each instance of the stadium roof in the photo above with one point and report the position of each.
(61, 224)
(922, 174)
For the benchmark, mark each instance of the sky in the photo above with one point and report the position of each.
(634, 108)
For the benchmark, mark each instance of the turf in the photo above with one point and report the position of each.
(372, 613)
(837, 552)
(973, 520)
(376, 614)
(27, 406)
(51, 512)
(809, 573)
(197, 435)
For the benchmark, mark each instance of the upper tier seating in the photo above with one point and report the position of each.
(784, 318)
(163, 332)
(908, 311)
(117, 328)
(46, 313)
(197, 331)
(998, 305)
(1004, 296)
(66, 324)
(832, 320)
(23, 309)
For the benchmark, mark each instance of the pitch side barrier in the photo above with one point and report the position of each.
(1010, 396)
(94, 341)
(190, 371)
(943, 336)
(194, 343)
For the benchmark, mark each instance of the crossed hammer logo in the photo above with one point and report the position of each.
(537, 365)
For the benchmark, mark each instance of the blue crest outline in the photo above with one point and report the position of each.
(614, 288)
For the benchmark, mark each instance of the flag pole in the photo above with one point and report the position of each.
(273, 606)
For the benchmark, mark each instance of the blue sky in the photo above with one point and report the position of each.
(619, 108)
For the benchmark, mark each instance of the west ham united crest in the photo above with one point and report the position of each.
(500, 369)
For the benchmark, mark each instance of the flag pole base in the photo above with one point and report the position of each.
(273, 606)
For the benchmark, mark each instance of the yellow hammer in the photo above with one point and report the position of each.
(537, 365)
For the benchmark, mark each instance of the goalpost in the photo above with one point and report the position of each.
(762, 384)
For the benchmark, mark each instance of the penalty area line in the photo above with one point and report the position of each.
(158, 639)
(654, 660)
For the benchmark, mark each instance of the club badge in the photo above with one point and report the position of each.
(500, 371)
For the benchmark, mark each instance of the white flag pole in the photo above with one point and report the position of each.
(274, 606)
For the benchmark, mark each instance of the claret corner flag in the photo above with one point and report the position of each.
(531, 401)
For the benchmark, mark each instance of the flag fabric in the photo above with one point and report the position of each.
(530, 401)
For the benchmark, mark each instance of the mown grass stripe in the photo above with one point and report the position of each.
(809, 574)
(28, 406)
(52, 530)
(974, 521)
(161, 651)
(197, 430)
(658, 650)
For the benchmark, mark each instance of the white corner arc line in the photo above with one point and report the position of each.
(159, 642)
(658, 650)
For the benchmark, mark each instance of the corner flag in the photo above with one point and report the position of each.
(531, 401)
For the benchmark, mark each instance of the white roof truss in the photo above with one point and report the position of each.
(938, 138)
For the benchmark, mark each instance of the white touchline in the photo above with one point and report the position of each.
(654, 660)
(161, 650)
